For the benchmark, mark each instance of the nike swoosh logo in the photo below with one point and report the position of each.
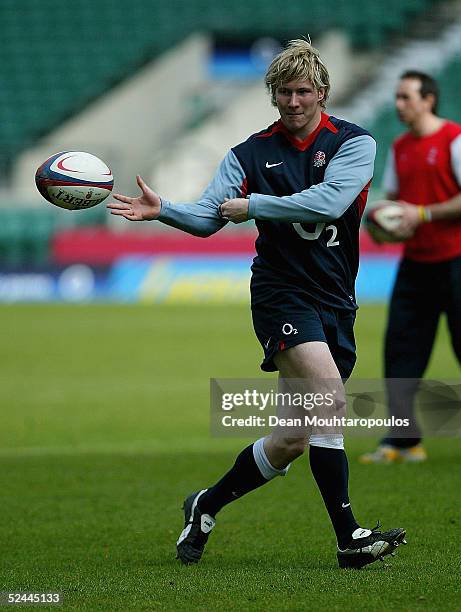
(61, 165)
(268, 165)
(345, 505)
(267, 343)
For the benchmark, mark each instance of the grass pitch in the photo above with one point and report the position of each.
(105, 430)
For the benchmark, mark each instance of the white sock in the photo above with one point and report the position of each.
(327, 440)
(263, 463)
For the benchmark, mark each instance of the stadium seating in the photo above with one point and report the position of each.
(56, 57)
(26, 233)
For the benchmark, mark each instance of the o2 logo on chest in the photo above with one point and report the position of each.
(319, 227)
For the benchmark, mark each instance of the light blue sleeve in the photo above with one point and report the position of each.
(346, 175)
(202, 218)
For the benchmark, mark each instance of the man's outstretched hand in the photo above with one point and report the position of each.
(145, 207)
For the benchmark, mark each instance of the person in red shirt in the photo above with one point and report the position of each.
(423, 172)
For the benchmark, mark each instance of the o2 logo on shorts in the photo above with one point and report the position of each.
(288, 329)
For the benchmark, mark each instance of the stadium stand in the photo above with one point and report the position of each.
(58, 57)
(26, 233)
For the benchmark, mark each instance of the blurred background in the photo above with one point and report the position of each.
(164, 89)
(110, 330)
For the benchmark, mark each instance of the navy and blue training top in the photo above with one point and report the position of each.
(306, 197)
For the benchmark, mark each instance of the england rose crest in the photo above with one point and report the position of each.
(319, 159)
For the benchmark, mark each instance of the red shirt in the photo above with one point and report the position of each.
(424, 173)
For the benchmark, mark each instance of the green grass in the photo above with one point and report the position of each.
(105, 424)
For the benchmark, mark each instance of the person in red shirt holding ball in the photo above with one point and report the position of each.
(423, 172)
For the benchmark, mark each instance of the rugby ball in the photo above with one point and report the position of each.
(382, 219)
(74, 180)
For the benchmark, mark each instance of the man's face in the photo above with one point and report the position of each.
(299, 107)
(409, 103)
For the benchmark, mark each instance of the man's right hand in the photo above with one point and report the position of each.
(145, 207)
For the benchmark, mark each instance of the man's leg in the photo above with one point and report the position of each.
(251, 470)
(271, 456)
(412, 324)
(255, 465)
(408, 345)
(453, 307)
(313, 363)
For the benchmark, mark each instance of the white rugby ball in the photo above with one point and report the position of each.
(74, 180)
(382, 219)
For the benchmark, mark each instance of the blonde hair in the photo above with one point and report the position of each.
(299, 61)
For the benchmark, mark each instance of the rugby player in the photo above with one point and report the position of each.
(304, 180)
(423, 172)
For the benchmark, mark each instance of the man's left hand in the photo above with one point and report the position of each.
(235, 210)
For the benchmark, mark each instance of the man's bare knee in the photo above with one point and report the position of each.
(290, 448)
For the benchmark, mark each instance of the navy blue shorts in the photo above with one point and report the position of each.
(282, 324)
